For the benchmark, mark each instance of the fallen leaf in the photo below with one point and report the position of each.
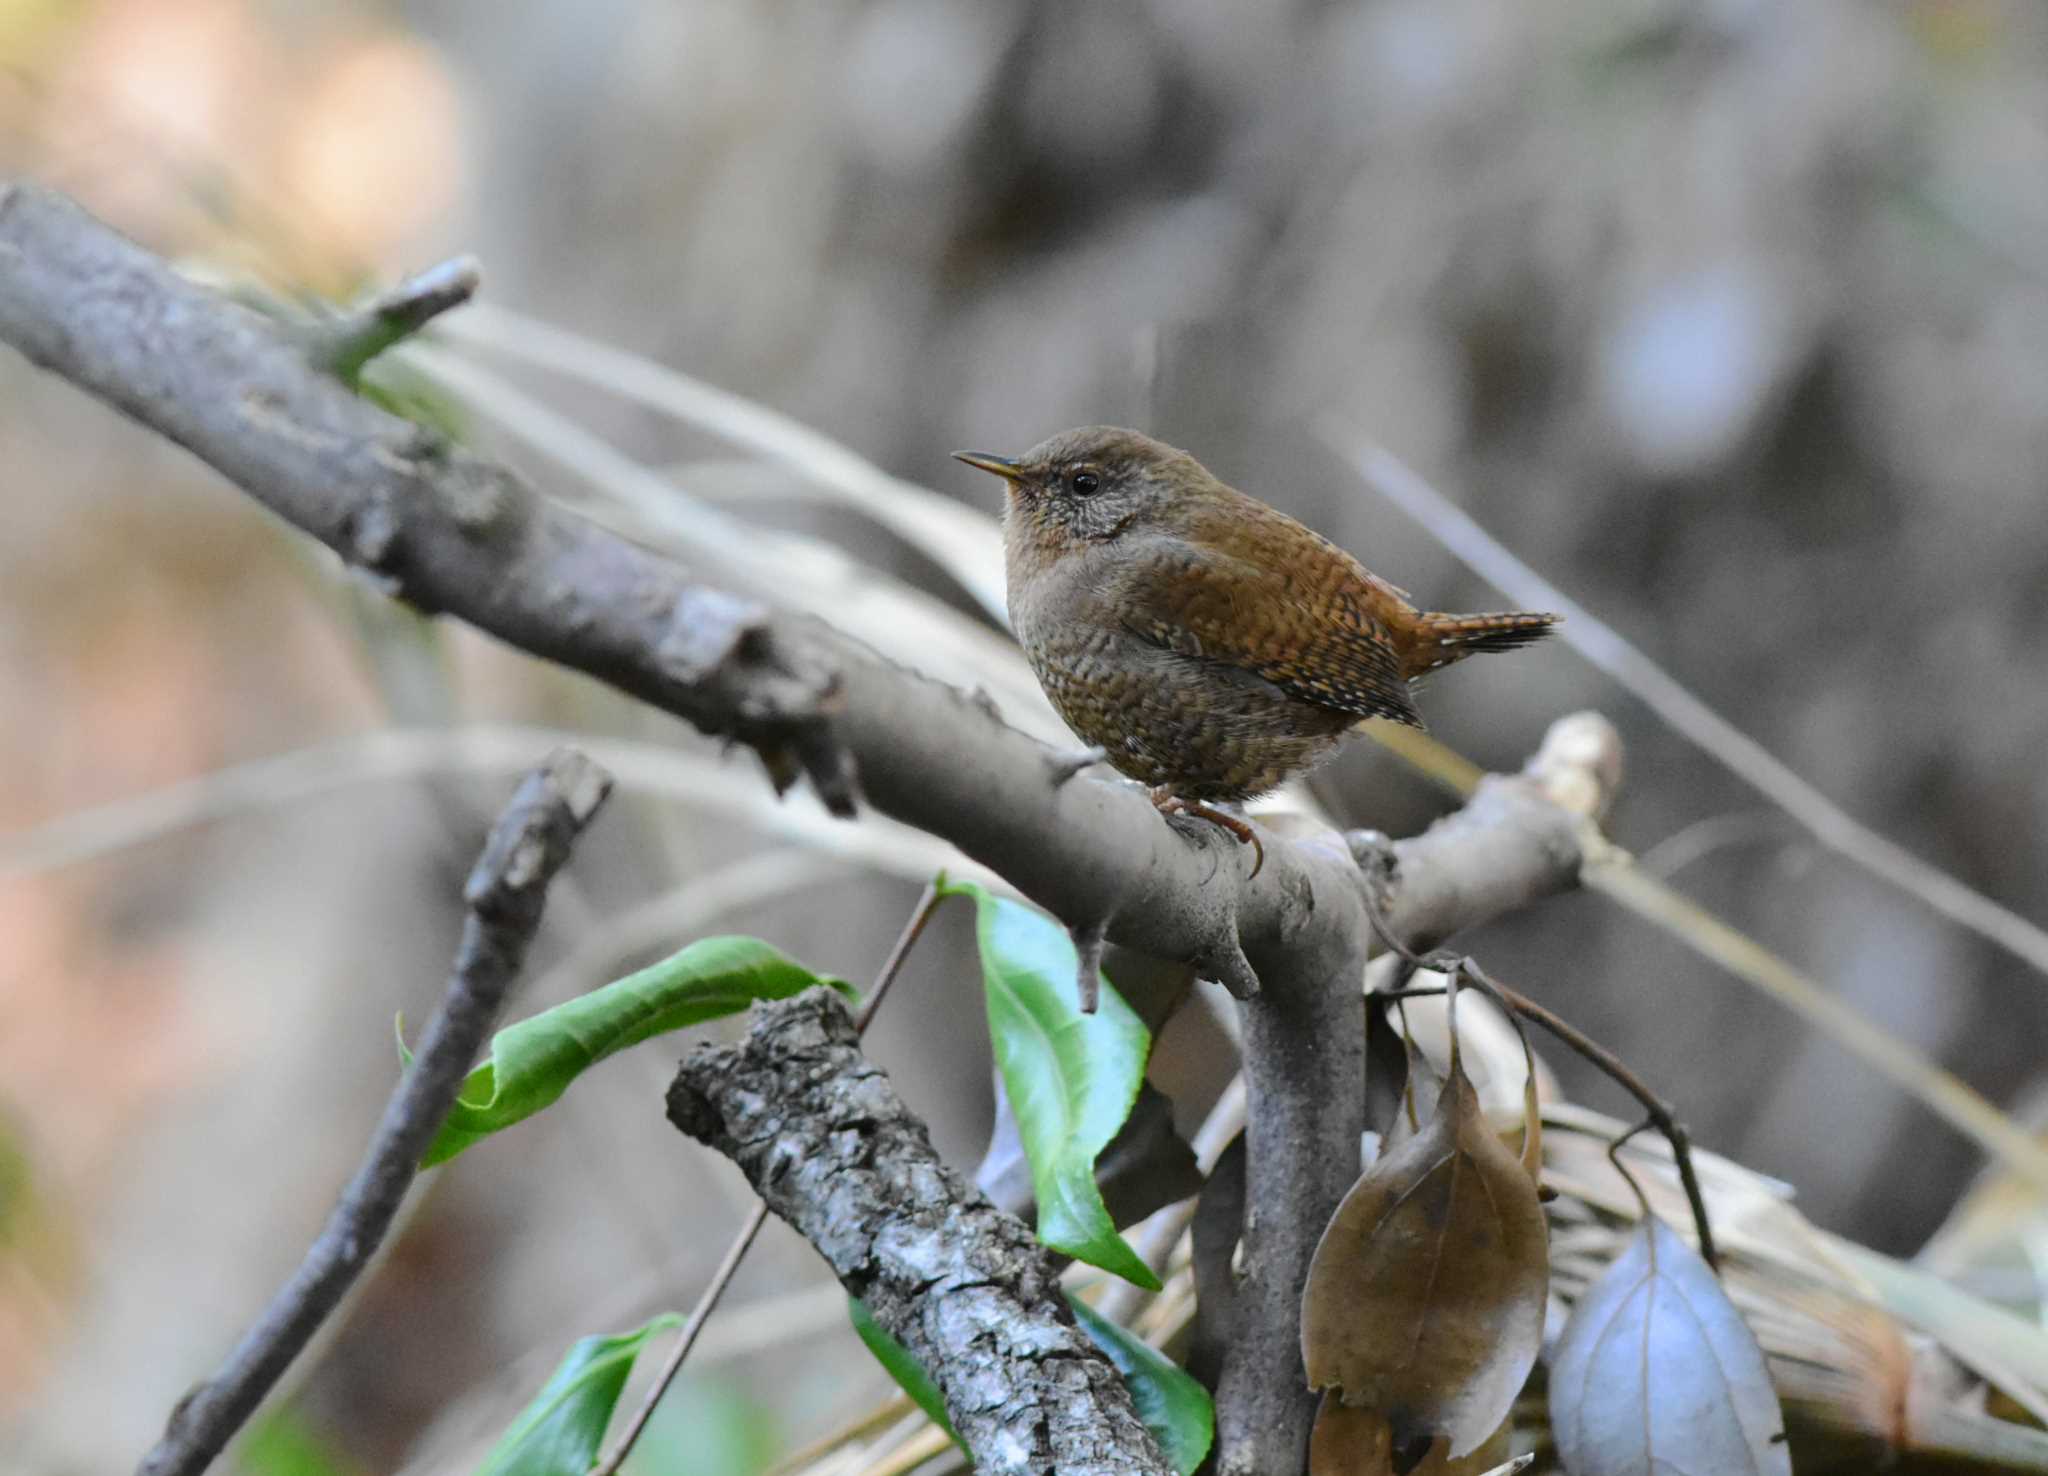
(1425, 1299)
(1657, 1371)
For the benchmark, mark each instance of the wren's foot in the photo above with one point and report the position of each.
(1169, 803)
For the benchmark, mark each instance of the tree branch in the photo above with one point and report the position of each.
(451, 532)
(1519, 838)
(827, 1143)
(344, 344)
(505, 892)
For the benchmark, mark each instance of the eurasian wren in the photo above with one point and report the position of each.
(1212, 646)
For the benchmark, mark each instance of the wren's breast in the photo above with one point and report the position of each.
(1206, 730)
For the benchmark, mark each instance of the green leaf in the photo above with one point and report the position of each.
(561, 1431)
(1172, 1404)
(402, 390)
(1071, 1077)
(533, 1062)
(1171, 1401)
(908, 1373)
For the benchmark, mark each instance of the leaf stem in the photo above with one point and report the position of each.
(927, 904)
(1463, 967)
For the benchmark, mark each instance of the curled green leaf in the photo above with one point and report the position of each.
(533, 1062)
(1071, 1077)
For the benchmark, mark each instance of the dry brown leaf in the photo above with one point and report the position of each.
(1425, 1298)
(1359, 1442)
(1349, 1442)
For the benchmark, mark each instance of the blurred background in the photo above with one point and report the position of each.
(1732, 318)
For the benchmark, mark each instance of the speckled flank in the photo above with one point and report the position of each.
(1207, 642)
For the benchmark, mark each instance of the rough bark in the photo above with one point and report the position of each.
(830, 1147)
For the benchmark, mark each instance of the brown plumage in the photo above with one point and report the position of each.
(1212, 646)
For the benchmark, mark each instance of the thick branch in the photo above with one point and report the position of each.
(827, 1143)
(452, 532)
(505, 892)
(1517, 840)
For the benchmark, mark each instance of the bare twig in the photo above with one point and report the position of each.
(950, 534)
(1461, 966)
(920, 915)
(1613, 873)
(504, 895)
(1658, 1110)
(707, 1301)
(264, 785)
(342, 345)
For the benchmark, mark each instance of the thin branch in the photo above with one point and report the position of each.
(1693, 719)
(1659, 1111)
(343, 344)
(707, 1301)
(504, 895)
(1612, 872)
(260, 786)
(920, 916)
(953, 536)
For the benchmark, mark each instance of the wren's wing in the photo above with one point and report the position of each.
(1313, 630)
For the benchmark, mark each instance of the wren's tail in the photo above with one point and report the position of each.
(1441, 639)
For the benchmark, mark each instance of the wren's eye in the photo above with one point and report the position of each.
(1082, 481)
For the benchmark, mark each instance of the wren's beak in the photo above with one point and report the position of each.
(1002, 466)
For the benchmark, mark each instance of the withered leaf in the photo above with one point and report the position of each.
(1425, 1298)
(1358, 1442)
(1349, 1442)
(1657, 1371)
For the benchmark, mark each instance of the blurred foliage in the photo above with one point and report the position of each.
(708, 1426)
(281, 1443)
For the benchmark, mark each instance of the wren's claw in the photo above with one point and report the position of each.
(1172, 804)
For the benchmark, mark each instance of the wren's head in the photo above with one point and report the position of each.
(1089, 485)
